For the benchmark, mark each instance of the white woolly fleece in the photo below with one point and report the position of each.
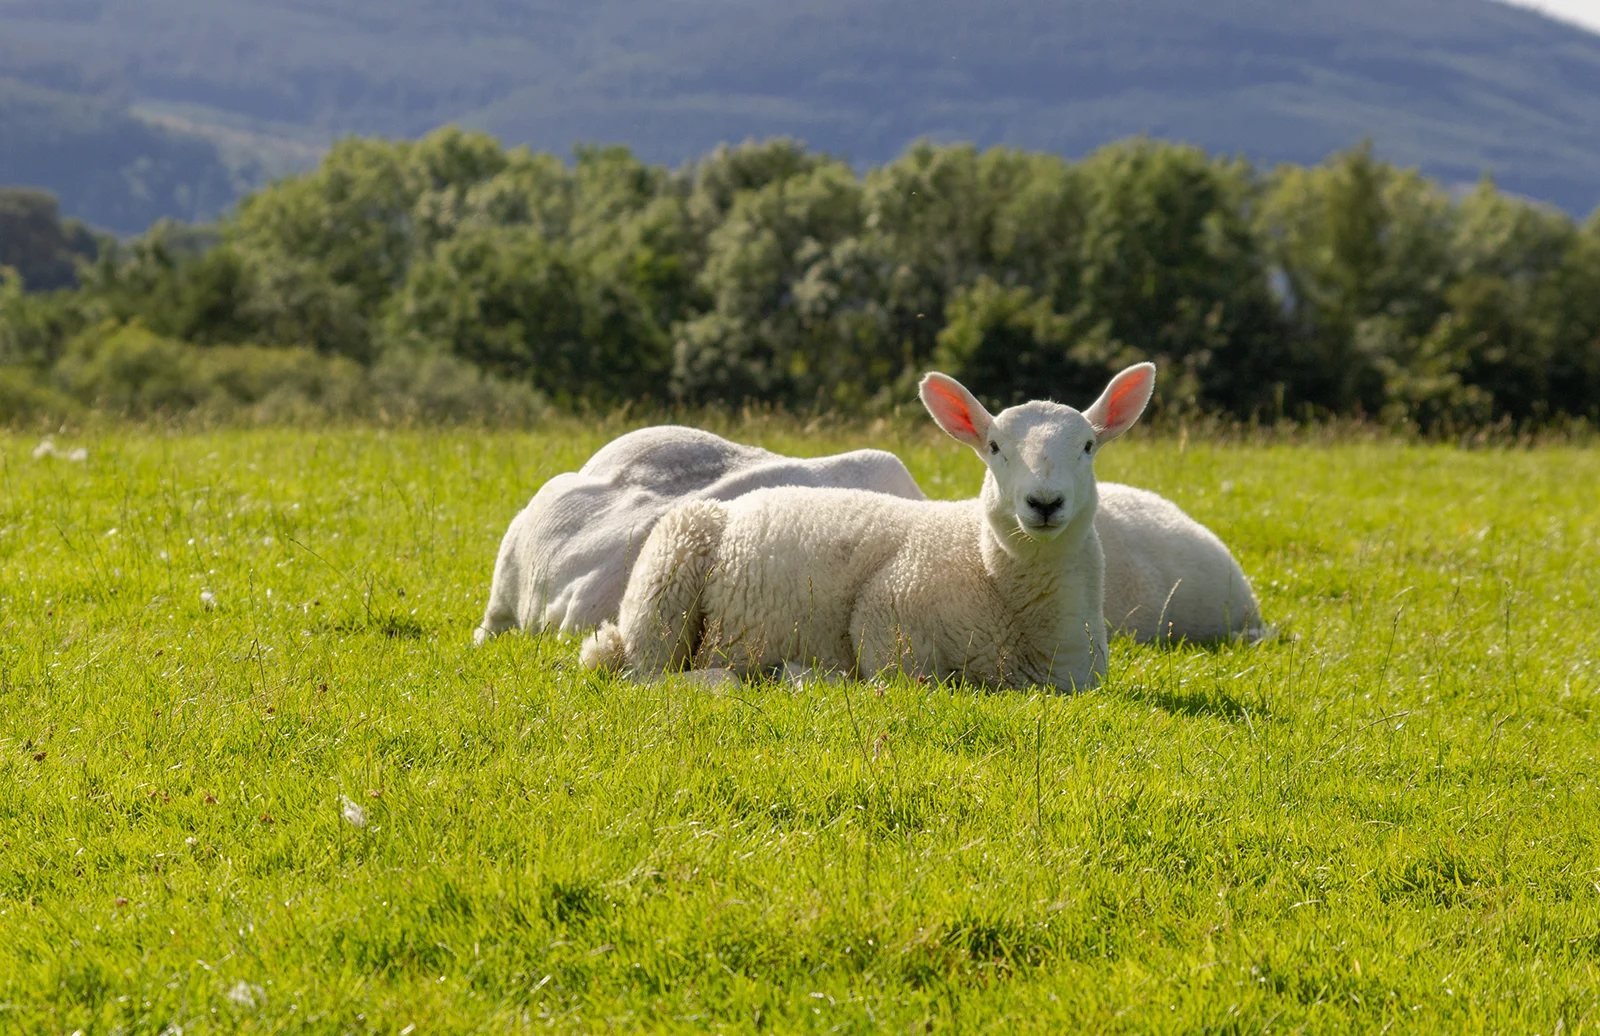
(1169, 578)
(1006, 589)
(565, 558)
(564, 561)
(859, 583)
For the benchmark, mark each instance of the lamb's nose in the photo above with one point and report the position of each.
(1047, 506)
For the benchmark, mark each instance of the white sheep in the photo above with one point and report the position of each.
(564, 560)
(1168, 578)
(1004, 589)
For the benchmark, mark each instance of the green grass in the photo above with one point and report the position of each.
(1386, 820)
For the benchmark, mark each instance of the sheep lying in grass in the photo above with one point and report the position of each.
(1004, 589)
(1169, 578)
(564, 560)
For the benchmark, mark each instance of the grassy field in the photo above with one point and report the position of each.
(253, 775)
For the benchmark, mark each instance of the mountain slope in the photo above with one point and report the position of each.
(116, 171)
(1458, 87)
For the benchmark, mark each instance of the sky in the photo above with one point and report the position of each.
(1582, 12)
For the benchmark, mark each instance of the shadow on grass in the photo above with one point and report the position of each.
(1273, 633)
(1441, 878)
(1206, 701)
(394, 625)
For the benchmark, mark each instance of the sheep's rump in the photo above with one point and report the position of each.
(1169, 578)
(564, 561)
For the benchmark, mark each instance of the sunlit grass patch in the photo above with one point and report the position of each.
(1387, 814)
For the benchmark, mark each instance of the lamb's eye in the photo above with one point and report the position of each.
(1088, 447)
(994, 447)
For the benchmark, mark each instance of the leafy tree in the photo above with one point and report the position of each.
(503, 298)
(754, 341)
(349, 222)
(1170, 270)
(37, 243)
(718, 179)
(1036, 237)
(518, 306)
(768, 272)
(932, 212)
(1355, 240)
(1569, 315)
(533, 190)
(200, 296)
(34, 327)
(1008, 344)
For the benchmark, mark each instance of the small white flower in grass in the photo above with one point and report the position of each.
(353, 813)
(79, 455)
(245, 995)
(208, 599)
(46, 448)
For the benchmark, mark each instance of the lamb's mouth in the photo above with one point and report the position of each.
(1040, 530)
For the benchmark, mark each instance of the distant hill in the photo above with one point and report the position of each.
(1457, 87)
(116, 171)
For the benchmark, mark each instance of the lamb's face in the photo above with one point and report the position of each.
(1041, 469)
(1040, 455)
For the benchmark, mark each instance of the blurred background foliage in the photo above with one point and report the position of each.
(451, 278)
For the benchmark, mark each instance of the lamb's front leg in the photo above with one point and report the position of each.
(1079, 662)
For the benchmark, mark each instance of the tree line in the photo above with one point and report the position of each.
(769, 272)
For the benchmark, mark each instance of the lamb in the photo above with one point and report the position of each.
(1006, 589)
(565, 558)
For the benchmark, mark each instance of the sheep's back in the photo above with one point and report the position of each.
(564, 561)
(671, 460)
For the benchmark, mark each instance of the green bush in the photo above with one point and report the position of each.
(34, 328)
(767, 274)
(998, 340)
(25, 398)
(431, 388)
(127, 370)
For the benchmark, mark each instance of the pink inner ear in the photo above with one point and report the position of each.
(953, 412)
(1123, 397)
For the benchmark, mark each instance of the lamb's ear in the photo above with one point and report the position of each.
(955, 409)
(1123, 401)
